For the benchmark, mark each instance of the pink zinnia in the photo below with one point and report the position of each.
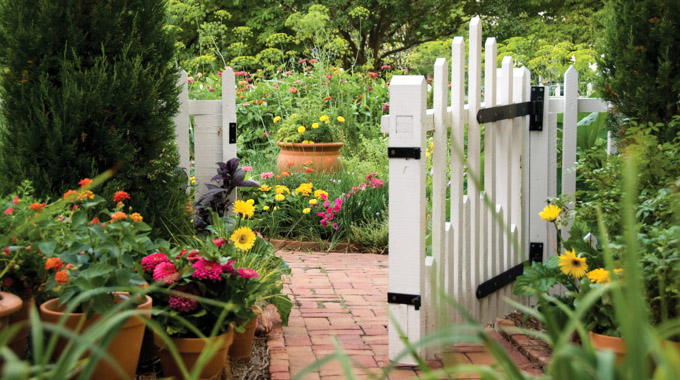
(335, 225)
(219, 242)
(267, 175)
(149, 262)
(229, 268)
(9, 211)
(247, 273)
(165, 273)
(247, 168)
(207, 270)
(368, 177)
(15, 200)
(183, 304)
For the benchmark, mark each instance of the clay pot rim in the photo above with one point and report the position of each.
(193, 345)
(9, 303)
(611, 342)
(56, 311)
(329, 145)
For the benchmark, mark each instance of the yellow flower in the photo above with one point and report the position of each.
(264, 188)
(305, 142)
(280, 189)
(136, 217)
(324, 118)
(598, 276)
(277, 119)
(319, 193)
(275, 208)
(192, 179)
(618, 271)
(293, 116)
(306, 210)
(341, 119)
(243, 238)
(246, 209)
(265, 208)
(301, 129)
(550, 213)
(315, 125)
(279, 197)
(571, 265)
(88, 194)
(305, 189)
(312, 202)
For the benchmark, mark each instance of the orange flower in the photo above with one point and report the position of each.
(37, 207)
(88, 194)
(118, 216)
(309, 170)
(85, 182)
(70, 194)
(327, 98)
(261, 101)
(285, 174)
(136, 217)
(54, 263)
(95, 220)
(61, 277)
(120, 196)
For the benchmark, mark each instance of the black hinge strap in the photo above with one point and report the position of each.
(533, 108)
(404, 299)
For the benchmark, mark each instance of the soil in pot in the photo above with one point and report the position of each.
(124, 347)
(190, 349)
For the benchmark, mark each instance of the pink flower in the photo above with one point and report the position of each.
(323, 196)
(207, 270)
(219, 242)
(183, 304)
(75, 207)
(15, 201)
(326, 204)
(335, 225)
(377, 182)
(287, 72)
(336, 208)
(211, 89)
(165, 273)
(247, 168)
(329, 76)
(368, 177)
(383, 67)
(9, 211)
(239, 73)
(28, 248)
(386, 106)
(302, 60)
(293, 90)
(372, 74)
(149, 262)
(312, 61)
(267, 175)
(190, 80)
(219, 73)
(193, 256)
(6, 249)
(324, 222)
(247, 273)
(229, 268)
(266, 133)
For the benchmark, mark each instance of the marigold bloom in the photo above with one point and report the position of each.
(324, 118)
(279, 197)
(120, 196)
(277, 119)
(265, 208)
(243, 238)
(304, 189)
(571, 265)
(306, 210)
(54, 263)
(70, 194)
(598, 276)
(247, 273)
(85, 182)
(550, 213)
(165, 273)
(264, 188)
(246, 209)
(37, 207)
(280, 189)
(118, 216)
(341, 119)
(136, 217)
(61, 277)
(301, 129)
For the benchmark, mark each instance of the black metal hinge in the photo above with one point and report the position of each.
(232, 133)
(488, 287)
(404, 299)
(403, 153)
(533, 108)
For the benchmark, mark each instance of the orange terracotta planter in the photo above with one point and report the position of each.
(19, 344)
(243, 342)
(124, 347)
(9, 304)
(319, 156)
(604, 342)
(190, 349)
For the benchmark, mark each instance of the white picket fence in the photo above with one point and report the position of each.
(214, 130)
(519, 174)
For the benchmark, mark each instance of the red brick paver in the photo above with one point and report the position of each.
(340, 299)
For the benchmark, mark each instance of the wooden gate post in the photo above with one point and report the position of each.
(407, 169)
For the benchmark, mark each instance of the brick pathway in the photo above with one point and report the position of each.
(343, 296)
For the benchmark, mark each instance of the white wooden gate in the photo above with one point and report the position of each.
(493, 227)
(214, 130)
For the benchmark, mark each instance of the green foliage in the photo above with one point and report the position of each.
(89, 87)
(640, 62)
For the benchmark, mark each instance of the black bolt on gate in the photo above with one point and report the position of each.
(488, 287)
(533, 108)
(404, 299)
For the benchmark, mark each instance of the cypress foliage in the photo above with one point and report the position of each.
(640, 66)
(89, 85)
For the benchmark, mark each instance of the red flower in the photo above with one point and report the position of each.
(120, 196)
(165, 273)
(229, 268)
(309, 170)
(95, 220)
(261, 101)
(207, 270)
(37, 207)
(247, 273)
(9, 211)
(327, 98)
(61, 277)
(15, 200)
(219, 242)
(85, 182)
(150, 262)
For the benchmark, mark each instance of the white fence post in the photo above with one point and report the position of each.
(229, 125)
(408, 106)
(569, 133)
(182, 125)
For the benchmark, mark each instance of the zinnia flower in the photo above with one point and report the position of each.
(165, 273)
(341, 119)
(149, 262)
(183, 304)
(229, 267)
(247, 273)
(244, 238)
(279, 197)
(61, 277)
(120, 196)
(9, 211)
(571, 265)
(94, 220)
(306, 210)
(550, 213)
(54, 263)
(267, 175)
(320, 194)
(246, 209)
(207, 270)
(85, 182)
(136, 217)
(304, 189)
(219, 242)
(264, 188)
(247, 168)
(598, 276)
(312, 202)
(280, 189)
(118, 216)
(15, 200)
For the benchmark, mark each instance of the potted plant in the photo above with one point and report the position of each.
(96, 248)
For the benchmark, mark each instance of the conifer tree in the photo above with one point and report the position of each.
(640, 64)
(89, 85)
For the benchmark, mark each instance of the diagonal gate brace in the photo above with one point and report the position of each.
(490, 286)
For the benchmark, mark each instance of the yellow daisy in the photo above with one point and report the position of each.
(324, 118)
(598, 276)
(243, 238)
(571, 265)
(264, 188)
(550, 213)
(246, 209)
(279, 197)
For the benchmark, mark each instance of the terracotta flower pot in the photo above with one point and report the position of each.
(318, 156)
(604, 342)
(9, 304)
(124, 348)
(243, 342)
(190, 349)
(19, 344)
